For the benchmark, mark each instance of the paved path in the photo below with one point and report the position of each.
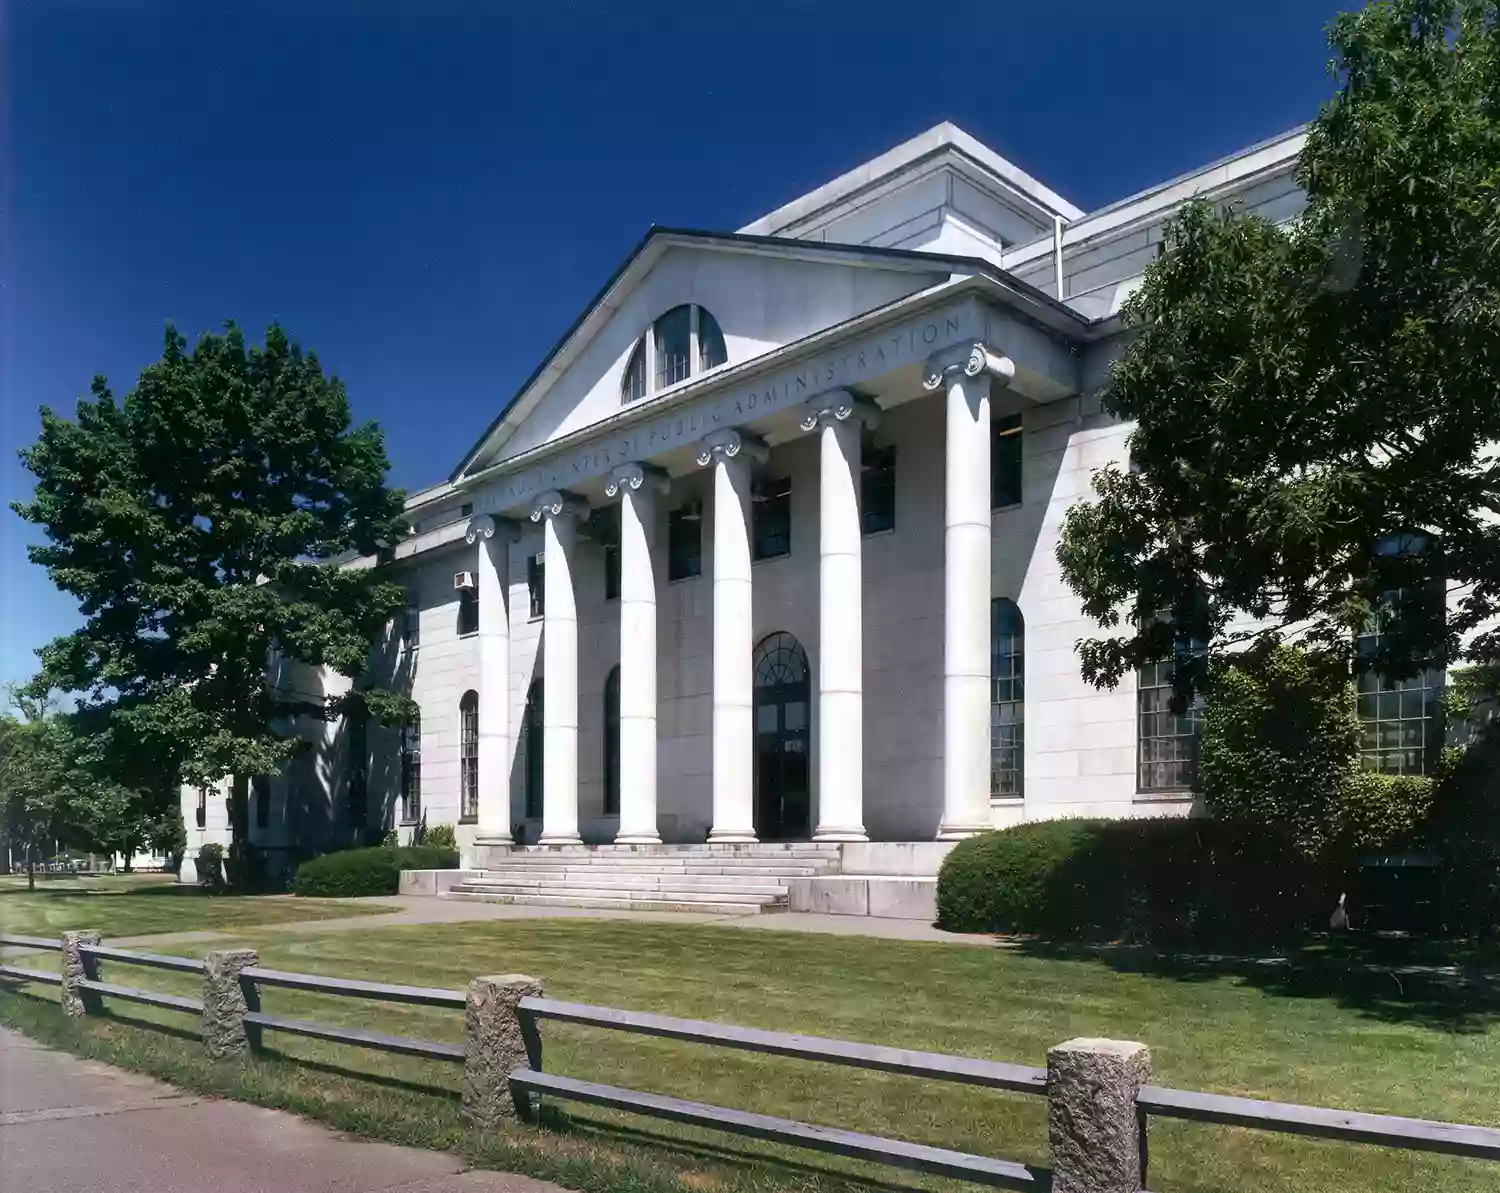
(74, 1126)
(425, 909)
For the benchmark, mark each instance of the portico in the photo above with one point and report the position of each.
(961, 375)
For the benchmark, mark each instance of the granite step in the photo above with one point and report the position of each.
(616, 903)
(583, 891)
(635, 881)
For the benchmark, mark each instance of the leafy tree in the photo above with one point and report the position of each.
(33, 784)
(1315, 405)
(197, 521)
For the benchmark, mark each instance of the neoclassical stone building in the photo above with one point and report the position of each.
(764, 548)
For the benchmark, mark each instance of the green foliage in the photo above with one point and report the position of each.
(1373, 813)
(211, 866)
(1168, 882)
(1280, 740)
(1302, 394)
(391, 840)
(168, 837)
(194, 521)
(439, 836)
(373, 871)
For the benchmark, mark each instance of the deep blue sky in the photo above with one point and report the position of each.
(425, 193)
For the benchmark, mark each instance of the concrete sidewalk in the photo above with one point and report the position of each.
(74, 1126)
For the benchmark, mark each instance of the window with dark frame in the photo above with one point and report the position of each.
(536, 584)
(466, 510)
(674, 353)
(1005, 462)
(468, 611)
(605, 524)
(356, 801)
(412, 627)
(684, 543)
(468, 758)
(1007, 700)
(201, 815)
(877, 483)
(411, 770)
(771, 518)
(664, 355)
(532, 749)
(1166, 741)
(260, 794)
(1401, 720)
(612, 742)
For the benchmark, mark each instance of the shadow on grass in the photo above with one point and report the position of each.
(725, 1155)
(1392, 981)
(364, 1075)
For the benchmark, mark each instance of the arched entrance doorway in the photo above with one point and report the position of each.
(782, 800)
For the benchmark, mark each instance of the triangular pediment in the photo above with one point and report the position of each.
(763, 293)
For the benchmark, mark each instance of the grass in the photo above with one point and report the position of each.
(138, 905)
(1428, 1049)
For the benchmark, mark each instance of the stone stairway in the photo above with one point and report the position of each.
(717, 879)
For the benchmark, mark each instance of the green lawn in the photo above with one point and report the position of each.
(1417, 1049)
(134, 905)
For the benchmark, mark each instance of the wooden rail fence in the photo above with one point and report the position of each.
(1098, 1091)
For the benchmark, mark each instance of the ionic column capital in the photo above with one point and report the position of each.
(485, 526)
(972, 361)
(838, 406)
(557, 504)
(729, 444)
(635, 477)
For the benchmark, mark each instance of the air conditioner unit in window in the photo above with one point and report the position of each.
(693, 511)
(463, 580)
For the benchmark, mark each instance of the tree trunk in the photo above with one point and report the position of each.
(30, 868)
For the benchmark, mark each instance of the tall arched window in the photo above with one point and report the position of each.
(1007, 700)
(682, 342)
(783, 699)
(612, 743)
(531, 746)
(468, 758)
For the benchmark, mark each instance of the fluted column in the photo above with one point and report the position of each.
(637, 486)
(558, 513)
(966, 376)
(838, 418)
(492, 567)
(729, 453)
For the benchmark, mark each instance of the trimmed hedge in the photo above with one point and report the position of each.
(375, 871)
(1164, 881)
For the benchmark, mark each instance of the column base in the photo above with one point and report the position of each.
(835, 833)
(957, 832)
(731, 836)
(560, 839)
(484, 838)
(637, 839)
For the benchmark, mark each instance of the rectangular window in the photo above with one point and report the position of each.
(356, 804)
(201, 816)
(1007, 700)
(605, 525)
(1167, 749)
(536, 584)
(1401, 720)
(1005, 462)
(684, 543)
(412, 630)
(877, 483)
(468, 611)
(771, 516)
(466, 510)
(411, 771)
(468, 758)
(260, 794)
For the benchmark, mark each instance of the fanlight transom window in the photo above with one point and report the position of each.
(681, 343)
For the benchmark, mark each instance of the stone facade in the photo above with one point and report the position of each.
(913, 306)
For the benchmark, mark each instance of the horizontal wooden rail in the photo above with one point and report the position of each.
(363, 1039)
(1412, 1134)
(30, 975)
(1005, 1174)
(427, 996)
(150, 997)
(30, 942)
(153, 960)
(935, 1065)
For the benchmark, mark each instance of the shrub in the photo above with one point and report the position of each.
(1374, 812)
(1167, 881)
(211, 866)
(439, 836)
(374, 871)
(1280, 741)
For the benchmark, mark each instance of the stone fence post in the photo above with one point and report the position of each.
(76, 968)
(225, 1034)
(495, 1043)
(1093, 1127)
